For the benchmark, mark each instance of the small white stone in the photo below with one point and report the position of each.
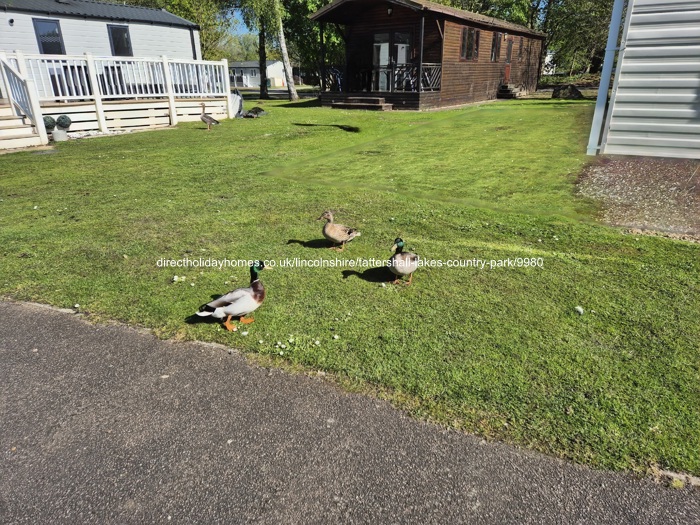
(244, 333)
(229, 441)
(260, 341)
(36, 207)
(579, 310)
(336, 336)
(191, 284)
(383, 285)
(281, 353)
(164, 376)
(290, 340)
(76, 306)
(183, 278)
(175, 278)
(317, 342)
(279, 343)
(539, 240)
(283, 346)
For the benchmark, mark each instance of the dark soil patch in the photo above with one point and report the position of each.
(648, 194)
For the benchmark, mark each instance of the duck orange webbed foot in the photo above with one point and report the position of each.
(229, 326)
(246, 320)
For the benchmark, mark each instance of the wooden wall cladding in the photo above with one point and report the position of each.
(471, 81)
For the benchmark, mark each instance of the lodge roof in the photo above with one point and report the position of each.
(94, 9)
(328, 14)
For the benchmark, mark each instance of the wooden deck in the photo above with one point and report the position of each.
(399, 101)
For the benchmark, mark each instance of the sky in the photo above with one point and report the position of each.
(240, 28)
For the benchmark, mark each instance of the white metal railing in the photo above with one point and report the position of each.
(17, 92)
(129, 78)
(192, 78)
(65, 77)
(21, 95)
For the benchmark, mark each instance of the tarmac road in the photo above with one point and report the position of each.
(106, 424)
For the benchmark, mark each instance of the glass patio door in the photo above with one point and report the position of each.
(391, 62)
(381, 63)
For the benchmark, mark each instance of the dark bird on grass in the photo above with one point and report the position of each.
(207, 118)
(402, 263)
(239, 302)
(337, 233)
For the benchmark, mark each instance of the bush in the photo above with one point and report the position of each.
(63, 121)
(49, 122)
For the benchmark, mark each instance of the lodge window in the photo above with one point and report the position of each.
(496, 47)
(48, 35)
(120, 41)
(253, 72)
(470, 44)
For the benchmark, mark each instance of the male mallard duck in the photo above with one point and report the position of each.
(239, 302)
(207, 118)
(337, 233)
(402, 263)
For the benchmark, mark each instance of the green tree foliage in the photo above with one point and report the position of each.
(304, 36)
(576, 29)
(245, 47)
(268, 17)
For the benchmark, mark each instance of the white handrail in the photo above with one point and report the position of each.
(22, 96)
(71, 77)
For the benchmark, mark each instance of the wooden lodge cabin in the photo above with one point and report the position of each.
(460, 57)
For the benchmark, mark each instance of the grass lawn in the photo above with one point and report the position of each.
(500, 351)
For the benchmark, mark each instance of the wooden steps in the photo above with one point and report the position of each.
(14, 132)
(509, 91)
(367, 103)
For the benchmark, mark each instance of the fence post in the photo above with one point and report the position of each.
(21, 64)
(96, 93)
(170, 91)
(33, 95)
(4, 83)
(227, 86)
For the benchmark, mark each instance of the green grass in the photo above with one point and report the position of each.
(496, 351)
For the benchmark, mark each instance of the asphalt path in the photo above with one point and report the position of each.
(107, 424)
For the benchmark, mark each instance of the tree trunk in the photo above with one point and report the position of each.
(262, 54)
(287, 66)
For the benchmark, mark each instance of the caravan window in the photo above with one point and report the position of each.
(48, 34)
(120, 41)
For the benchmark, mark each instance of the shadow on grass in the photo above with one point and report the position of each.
(379, 274)
(197, 319)
(314, 243)
(349, 129)
(306, 103)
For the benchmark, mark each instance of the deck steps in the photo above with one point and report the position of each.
(14, 132)
(367, 103)
(509, 91)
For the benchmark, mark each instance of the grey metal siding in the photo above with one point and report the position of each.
(656, 98)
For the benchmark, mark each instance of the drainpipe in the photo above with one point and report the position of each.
(420, 58)
(323, 61)
(601, 101)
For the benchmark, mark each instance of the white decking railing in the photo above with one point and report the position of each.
(66, 78)
(100, 82)
(21, 96)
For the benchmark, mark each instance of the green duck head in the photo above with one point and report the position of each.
(255, 269)
(398, 245)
